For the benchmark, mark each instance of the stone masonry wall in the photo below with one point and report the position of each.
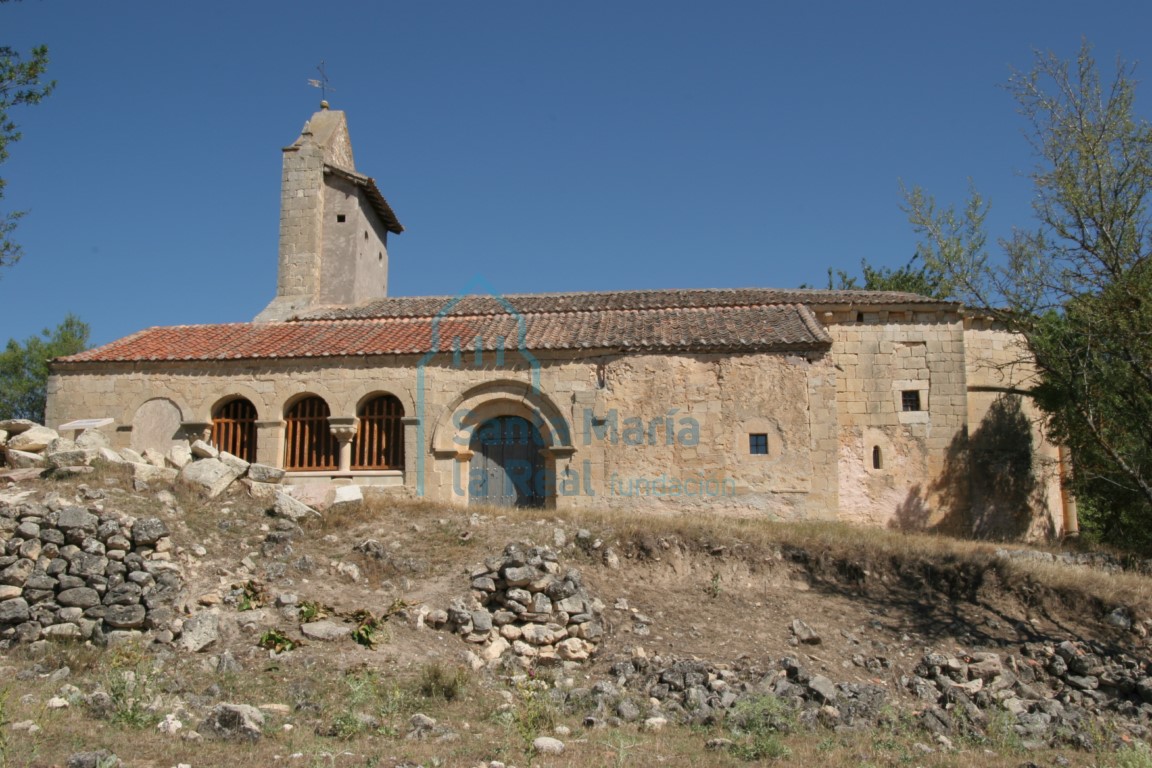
(1015, 469)
(896, 466)
(355, 264)
(671, 431)
(658, 422)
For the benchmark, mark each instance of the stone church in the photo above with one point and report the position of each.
(871, 407)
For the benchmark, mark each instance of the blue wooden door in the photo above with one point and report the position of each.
(507, 468)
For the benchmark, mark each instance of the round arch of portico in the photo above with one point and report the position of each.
(403, 396)
(313, 390)
(454, 426)
(209, 405)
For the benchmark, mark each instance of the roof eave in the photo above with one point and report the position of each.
(372, 192)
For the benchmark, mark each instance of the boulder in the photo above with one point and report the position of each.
(63, 632)
(78, 597)
(124, 616)
(150, 474)
(235, 462)
(346, 497)
(33, 440)
(110, 456)
(77, 522)
(262, 473)
(323, 630)
(92, 440)
(146, 531)
(154, 457)
(315, 495)
(495, 649)
(24, 459)
(203, 450)
(16, 574)
(546, 745)
(234, 721)
(101, 758)
(62, 452)
(16, 426)
(265, 493)
(178, 456)
(200, 631)
(14, 611)
(288, 507)
(823, 688)
(131, 456)
(805, 633)
(211, 476)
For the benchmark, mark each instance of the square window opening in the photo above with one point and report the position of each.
(758, 444)
(910, 400)
(340, 218)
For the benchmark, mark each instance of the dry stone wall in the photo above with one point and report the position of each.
(83, 572)
(524, 604)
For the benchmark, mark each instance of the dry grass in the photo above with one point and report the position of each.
(352, 707)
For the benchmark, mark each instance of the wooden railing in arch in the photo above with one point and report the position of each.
(234, 428)
(379, 441)
(308, 440)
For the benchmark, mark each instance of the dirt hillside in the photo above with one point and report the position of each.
(717, 642)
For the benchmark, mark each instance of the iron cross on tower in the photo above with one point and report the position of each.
(322, 82)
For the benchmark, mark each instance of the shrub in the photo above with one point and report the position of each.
(437, 682)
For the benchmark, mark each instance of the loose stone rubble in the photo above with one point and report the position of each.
(1052, 692)
(1049, 695)
(526, 603)
(25, 445)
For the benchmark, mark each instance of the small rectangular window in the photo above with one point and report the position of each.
(910, 400)
(758, 444)
(340, 218)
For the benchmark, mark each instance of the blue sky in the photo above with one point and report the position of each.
(547, 146)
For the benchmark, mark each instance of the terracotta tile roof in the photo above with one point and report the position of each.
(777, 327)
(599, 301)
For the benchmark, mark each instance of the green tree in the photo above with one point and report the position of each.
(24, 368)
(913, 277)
(1076, 283)
(21, 83)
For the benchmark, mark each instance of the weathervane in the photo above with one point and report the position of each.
(322, 83)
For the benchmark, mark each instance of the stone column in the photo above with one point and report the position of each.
(344, 430)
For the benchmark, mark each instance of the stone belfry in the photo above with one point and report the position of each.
(334, 224)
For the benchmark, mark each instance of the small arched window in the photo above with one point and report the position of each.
(234, 428)
(379, 441)
(877, 458)
(308, 440)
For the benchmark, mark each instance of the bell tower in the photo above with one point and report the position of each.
(334, 224)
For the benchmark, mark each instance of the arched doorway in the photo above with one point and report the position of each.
(507, 468)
